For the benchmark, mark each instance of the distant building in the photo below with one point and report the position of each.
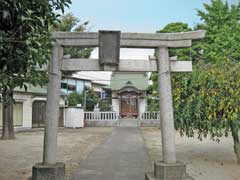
(71, 84)
(30, 107)
(101, 89)
(128, 93)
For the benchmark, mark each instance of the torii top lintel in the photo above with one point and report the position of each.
(131, 40)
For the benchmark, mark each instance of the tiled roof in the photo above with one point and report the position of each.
(137, 80)
(34, 89)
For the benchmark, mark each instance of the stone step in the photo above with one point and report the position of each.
(150, 176)
(128, 123)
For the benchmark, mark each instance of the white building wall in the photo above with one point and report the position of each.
(142, 104)
(26, 99)
(115, 103)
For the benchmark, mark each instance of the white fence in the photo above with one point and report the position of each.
(150, 115)
(112, 116)
(101, 116)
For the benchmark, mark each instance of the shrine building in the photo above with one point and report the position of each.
(129, 93)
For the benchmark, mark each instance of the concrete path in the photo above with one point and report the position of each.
(128, 122)
(122, 157)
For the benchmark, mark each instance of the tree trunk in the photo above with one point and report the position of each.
(236, 146)
(8, 127)
(236, 141)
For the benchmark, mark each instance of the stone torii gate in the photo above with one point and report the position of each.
(109, 43)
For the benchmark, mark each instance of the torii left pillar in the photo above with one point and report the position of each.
(49, 169)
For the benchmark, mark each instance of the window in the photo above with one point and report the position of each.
(71, 87)
(17, 114)
(64, 85)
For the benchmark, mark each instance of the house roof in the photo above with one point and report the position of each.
(137, 80)
(77, 77)
(35, 90)
(99, 83)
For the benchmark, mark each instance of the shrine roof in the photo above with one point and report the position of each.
(121, 80)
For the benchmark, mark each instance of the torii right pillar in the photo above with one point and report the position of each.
(166, 106)
(169, 168)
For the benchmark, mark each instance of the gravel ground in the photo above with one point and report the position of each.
(206, 160)
(18, 156)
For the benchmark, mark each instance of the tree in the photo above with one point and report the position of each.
(91, 99)
(206, 101)
(69, 23)
(105, 105)
(223, 31)
(211, 92)
(25, 47)
(181, 53)
(75, 98)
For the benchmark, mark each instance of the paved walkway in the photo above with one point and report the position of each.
(128, 122)
(122, 157)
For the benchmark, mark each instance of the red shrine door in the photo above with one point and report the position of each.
(129, 105)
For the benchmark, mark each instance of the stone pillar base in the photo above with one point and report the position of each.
(48, 172)
(163, 171)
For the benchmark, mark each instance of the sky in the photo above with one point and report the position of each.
(136, 16)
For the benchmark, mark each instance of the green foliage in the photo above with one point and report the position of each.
(223, 31)
(70, 23)
(182, 53)
(105, 105)
(208, 99)
(25, 41)
(153, 103)
(91, 100)
(75, 98)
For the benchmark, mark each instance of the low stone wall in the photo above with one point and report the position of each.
(111, 123)
(101, 123)
(150, 123)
